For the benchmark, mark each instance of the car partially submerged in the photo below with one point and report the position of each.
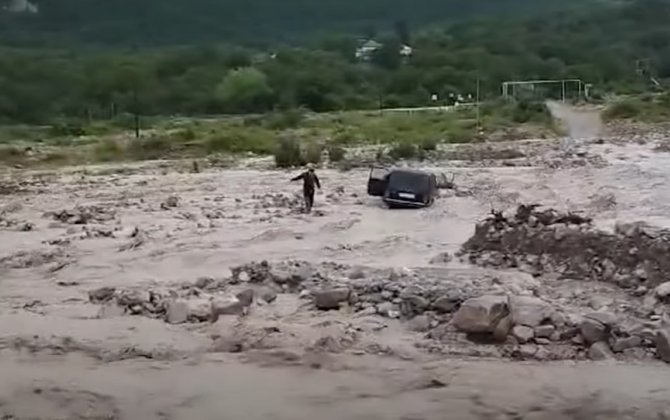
(403, 188)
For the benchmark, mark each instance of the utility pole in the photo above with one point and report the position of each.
(479, 125)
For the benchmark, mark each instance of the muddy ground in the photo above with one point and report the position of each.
(355, 312)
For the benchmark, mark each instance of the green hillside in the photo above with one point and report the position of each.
(171, 22)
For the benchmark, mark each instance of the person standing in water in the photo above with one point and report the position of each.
(309, 181)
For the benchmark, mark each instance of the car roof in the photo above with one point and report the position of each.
(409, 171)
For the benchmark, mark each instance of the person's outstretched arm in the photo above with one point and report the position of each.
(316, 180)
(299, 177)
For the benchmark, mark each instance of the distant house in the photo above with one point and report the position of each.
(367, 48)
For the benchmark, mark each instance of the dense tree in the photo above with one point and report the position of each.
(40, 85)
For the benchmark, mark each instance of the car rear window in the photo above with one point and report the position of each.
(409, 181)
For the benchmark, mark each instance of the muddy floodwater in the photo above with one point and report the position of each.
(158, 229)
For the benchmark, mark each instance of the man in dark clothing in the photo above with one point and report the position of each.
(309, 180)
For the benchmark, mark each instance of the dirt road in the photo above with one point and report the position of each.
(158, 226)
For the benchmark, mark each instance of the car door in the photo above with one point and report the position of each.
(377, 181)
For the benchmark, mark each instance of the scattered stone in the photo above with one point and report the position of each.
(482, 314)
(226, 305)
(356, 274)
(204, 282)
(523, 333)
(447, 304)
(663, 291)
(331, 299)
(177, 312)
(606, 318)
(622, 344)
(170, 202)
(413, 305)
(420, 323)
(600, 351)
(443, 258)
(503, 329)
(102, 294)
(267, 294)
(130, 297)
(527, 351)
(529, 311)
(111, 310)
(389, 310)
(544, 331)
(593, 331)
(246, 297)
(663, 345)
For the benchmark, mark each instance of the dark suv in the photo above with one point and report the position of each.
(403, 187)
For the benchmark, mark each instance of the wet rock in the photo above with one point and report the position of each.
(662, 292)
(503, 329)
(331, 299)
(622, 344)
(413, 305)
(544, 331)
(133, 297)
(447, 304)
(443, 258)
(204, 282)
(111, 310)
(527, 351)
(246, 297)
(102, 294)
(419, 323)
(529, 311)
(593, 331)
(170, 202)
(600, 351)
(523, 333)
(356, 274)
(267, 294)
(177, 312)
(389, 310)
(226, 305)
(663, 345)
(482, 314)
(606, 318)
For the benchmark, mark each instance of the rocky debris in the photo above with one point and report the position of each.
(523, 333)
(111, 310)
(331, 299)
(549, 241)
(35, 258)
(600, 351)
(137, 238)
(102, 294)
(663, 344)
(227, 305)
(593, 331)
(177, 312)
(278, 201)
(662, 292)
(170, 202)
(529, 311)
(442, 258)
(482, 314)
(82, 215)
(420, 324)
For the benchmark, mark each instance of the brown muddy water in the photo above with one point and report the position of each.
(154, 226)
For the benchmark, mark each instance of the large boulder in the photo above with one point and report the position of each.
(663, 345)
(529, 311)
(331, 299)
(662, 292)
(593, 331)
(600, 351)
(226, 305)
(481, 314)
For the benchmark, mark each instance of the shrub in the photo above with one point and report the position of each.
(287, 154)
(336, 153)
(286, 119)
(153, 147)
(404, 151)
(107, 150)
(429, 145)
(623, 110)
(67, 129)
(185, 134)
(312, 153)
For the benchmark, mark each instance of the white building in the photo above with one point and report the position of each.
(367, 48)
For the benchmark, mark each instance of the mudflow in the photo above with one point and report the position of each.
(534, 288)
